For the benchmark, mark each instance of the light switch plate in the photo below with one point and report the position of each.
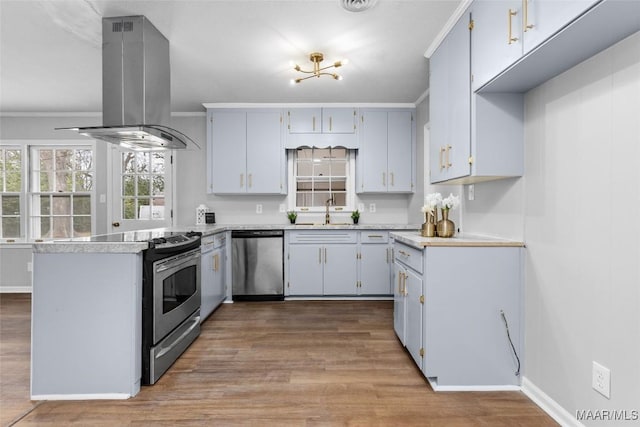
(372, 207)
(283, 208)
(258, 208)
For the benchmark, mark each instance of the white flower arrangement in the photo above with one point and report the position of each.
(450, 202)
(432, 202)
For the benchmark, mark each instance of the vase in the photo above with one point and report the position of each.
(429, 226)
(445, 227)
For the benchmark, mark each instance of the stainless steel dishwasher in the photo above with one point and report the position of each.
(257, 265)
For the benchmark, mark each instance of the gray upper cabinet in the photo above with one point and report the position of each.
(245, 152)
(505, 30)
(519, 44)
(450, 105)
(473, 137)
(321, 127)
(386, 159)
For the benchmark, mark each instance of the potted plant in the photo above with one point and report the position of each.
(292, 215)
(355, 216)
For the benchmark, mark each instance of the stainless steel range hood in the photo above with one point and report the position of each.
(136, 87)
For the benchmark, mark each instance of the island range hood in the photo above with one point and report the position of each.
(136, 87)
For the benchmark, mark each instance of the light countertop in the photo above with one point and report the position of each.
(414, 239)
(135, 241)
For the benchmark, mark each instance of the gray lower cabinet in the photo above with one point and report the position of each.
(321, 262)
(376, 263)
(452, 316)
(213, 272)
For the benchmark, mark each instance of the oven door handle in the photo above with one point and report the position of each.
(195, 321)
(173, 264)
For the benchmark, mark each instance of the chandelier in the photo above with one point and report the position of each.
(316, 58)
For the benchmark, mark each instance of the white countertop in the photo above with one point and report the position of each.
(135, 241)
(414, 239)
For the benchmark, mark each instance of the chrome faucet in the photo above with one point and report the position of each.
(327, 217)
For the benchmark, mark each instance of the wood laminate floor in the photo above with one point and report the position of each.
(296, 363)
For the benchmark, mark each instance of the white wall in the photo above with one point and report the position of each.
(578, 210)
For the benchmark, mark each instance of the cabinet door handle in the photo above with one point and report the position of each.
(319, 255)
(384, 179)
(510, 15)
(392, 178)
(387, 255)
(325, 255)
(241, 180)
(447, 156)
(525, 18)
(314, 123)
(404, 284)
(400, 283)
(215, 262)
(330, 123)
(250, 180)
(442, 149)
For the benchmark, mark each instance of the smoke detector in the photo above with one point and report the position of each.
(357, 5)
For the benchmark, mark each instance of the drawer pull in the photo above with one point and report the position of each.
(404, 253)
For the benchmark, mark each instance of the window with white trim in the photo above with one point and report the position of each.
(320, 175)
(61, 191)
(143, 185)
(10, 192)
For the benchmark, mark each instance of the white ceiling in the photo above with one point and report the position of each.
(221, 51)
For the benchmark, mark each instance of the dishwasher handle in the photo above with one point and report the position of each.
(256, 233)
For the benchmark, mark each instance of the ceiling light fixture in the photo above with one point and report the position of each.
(357, 5)
(316, 58)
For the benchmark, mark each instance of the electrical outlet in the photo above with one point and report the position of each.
(472, 192)
(361, 207)
(29, 266)
(372, 207)
(258, 208)
(601, 380)
(283, 208)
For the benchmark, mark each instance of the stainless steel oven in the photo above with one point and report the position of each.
(170, 301)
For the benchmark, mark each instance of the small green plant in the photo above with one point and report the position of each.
(292, 215)
(355, 216)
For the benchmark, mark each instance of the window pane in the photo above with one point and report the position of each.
(84, 181)
(157, 165)
(45, 206)
(2, 181)
(143, 186)
(305, 168)
(304, 154)
(338, 184)
(340, 199)
(46, 181)
(158, 185)
(14, 181)
(157, 210)
(61, 227)
(64, 181)
(45, 227)
(61, 205)
(83, 160)
(128, 162)
(319, 199)
(144, 208)
(304, 199)
(129, 208)
(81, 226)
(46, 159)
(142, 162)
(128, 185)
(82, 205)
(64, 159)
(10, 205)
(10, 227)
(339, 168)
(304, 184)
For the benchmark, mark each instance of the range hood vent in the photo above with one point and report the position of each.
(136, 87)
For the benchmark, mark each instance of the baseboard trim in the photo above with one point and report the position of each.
(548, 405)
(97, 396)
(434, 385)
(336, 298)
(15, 289)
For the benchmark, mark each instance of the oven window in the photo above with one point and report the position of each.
(178, 287)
